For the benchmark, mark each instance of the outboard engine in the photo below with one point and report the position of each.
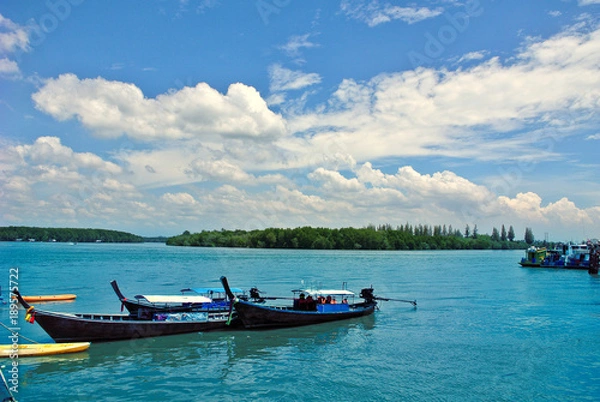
(255, 295)
(367, 294)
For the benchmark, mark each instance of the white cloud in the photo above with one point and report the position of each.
(219, 170)
(457, 113)
(62, 187)
(225, 160)
(295, 44)
(528, 206)
(58, 186)
(48, 151)
(473, 56)
(185, 162)
(373, 13)
(9, 68)
(112, 108)
(283, 79)
(334, 181)
(588, 2)
(593, 137)
(179, 199)
(441, 190)
(13, 37)
(444, 197)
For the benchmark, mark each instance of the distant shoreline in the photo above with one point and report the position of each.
(302, 238)
(370, 238)
(66, 235)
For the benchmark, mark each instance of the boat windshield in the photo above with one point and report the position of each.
(174, 299)
(324, 292)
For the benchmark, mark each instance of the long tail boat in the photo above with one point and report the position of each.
(200, 300)
(86, 327)
(305, 308)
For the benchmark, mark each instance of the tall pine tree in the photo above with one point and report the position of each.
(511, 233)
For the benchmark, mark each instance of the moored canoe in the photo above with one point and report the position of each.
(42, 349)
(64, 297)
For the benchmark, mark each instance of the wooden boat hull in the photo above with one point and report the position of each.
(43, 349)
(65, 327)
(258, 316)
(103, 328)
(46, 298)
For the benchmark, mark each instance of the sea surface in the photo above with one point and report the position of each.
(485, 329)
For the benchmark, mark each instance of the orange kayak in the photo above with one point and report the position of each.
(64, 297)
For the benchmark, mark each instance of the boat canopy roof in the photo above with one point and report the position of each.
(212, 290)
(174, 299)
(325, 292)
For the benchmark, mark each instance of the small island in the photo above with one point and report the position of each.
(34, 234)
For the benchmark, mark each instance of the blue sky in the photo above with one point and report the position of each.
(161, 116)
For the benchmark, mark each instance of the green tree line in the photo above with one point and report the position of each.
(383, 237)
(25, 233)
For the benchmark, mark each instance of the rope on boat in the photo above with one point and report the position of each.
(22, 336)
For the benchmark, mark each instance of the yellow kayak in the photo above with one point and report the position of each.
(42, 349)
(64, 297)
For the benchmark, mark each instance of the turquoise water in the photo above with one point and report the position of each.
(485, 329)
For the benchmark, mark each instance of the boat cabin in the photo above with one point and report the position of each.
(534, 256)
(323, 300)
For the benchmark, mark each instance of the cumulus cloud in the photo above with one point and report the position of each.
(528, 206)
(219, 170)
(441, 197)
(48, 151)
(333, 180)
(112, 108)
(186, 162)
(179, 198)
(58, 186)
(373, 13)
(50, 179)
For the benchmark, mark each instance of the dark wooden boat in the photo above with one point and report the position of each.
(67, 327)
(199, 300)
(302, 311)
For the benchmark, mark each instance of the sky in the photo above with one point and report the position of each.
(160, 116)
